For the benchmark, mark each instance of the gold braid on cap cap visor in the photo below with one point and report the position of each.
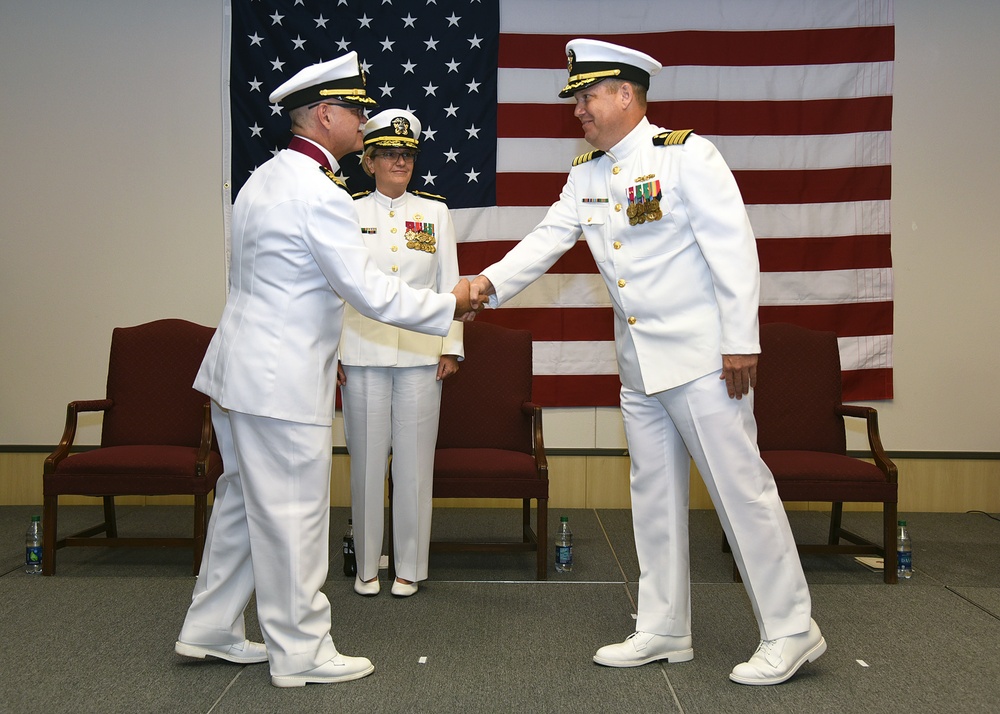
(391, 141)
(357, 95)
(578, 80)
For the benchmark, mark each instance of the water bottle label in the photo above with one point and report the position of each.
(564, 554)
(33, 555)
(904, 560)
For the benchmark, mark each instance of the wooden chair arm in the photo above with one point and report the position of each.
(870, 415)
(205, 447)
(69, 430)
(535, 412)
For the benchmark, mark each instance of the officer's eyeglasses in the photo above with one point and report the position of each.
(357, 111)
(394, 156)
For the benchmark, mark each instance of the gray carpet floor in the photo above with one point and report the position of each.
(483, 636)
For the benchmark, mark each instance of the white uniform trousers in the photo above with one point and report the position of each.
(665, 431)
(269, 531)
(393, 408)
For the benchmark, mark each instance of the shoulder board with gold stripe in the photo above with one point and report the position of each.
(359, 194)
(584, 158)
(433, 196)
(333, 177)
(672, 138)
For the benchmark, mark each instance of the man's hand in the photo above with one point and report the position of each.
(341, 375)
(481, 289)
(463, 306)
(447, 366)
(740, 373)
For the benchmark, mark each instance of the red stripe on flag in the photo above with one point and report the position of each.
(783, 255)
(777, 118)
(863, 183)
(725, 118)
(746, 48)
(474, 257)
(604, 390)
(587, 390)
(587, 324)
(846, 319)
(596, 324)
(777, 255)
(867, 384)
(859, 183)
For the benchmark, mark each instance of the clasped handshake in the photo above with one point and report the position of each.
(471, 297)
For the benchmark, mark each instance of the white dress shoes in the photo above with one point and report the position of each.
(644, 647)
(367, 589)
(403, 589)
(777, 660)
(245, 652)
(339, 669)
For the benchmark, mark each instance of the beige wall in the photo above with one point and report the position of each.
(111, 210)
(938, 485)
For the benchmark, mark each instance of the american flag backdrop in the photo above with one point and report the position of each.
(797, 95)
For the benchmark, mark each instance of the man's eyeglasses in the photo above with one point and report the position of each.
(394, 156)
(354, 109)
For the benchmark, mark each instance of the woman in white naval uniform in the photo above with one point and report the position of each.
(391, 377)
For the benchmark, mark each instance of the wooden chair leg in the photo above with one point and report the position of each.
(542, 535)
(526, 520)
(836, 519)
(889, 515)
(110, 519)
(50, 527)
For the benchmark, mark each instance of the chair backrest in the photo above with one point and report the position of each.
(150, 373)
(481, 404)
(798, 390)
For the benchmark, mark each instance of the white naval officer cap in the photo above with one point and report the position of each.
(339, 80)
(394, 128)
(593, 61)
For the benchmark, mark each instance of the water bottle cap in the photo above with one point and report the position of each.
(35, 518)
(563, 519)
(902, 523)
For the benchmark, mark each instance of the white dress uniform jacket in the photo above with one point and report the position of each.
(385, 225)
(297, 256)
(684, 288)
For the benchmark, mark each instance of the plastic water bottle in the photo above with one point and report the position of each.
(904, 552)
(33, 547)
(350, 561)
(564, 546)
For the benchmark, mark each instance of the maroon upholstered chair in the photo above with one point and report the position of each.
(489, 442)
(800, 423)
(156, 438)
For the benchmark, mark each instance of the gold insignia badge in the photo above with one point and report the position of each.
(570, 58)
(401, 126)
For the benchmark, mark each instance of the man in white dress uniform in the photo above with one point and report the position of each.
(270, 370)
(664, 219)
